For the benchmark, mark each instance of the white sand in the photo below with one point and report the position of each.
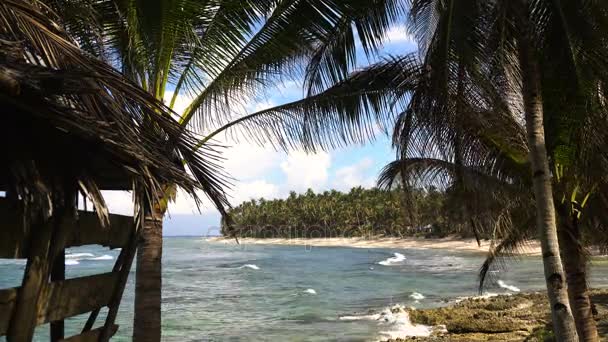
(450, 243)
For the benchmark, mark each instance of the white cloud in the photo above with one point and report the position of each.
(398, 34)
(253, 190)
(118, 202)
(305, 171)
(354, 175)
(247, 161)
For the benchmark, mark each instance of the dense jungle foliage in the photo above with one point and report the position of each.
(360, 212)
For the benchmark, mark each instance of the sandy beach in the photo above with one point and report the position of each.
(451, 243)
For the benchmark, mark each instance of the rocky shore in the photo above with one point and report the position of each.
(520, 317)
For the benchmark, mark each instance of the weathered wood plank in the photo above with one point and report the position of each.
(91, 335)
(87, 230)
(35, 279)
(58, 274)
(64, 299)
(76, 296)
(8, 297)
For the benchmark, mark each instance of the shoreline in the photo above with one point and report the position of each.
(518, 317)
(532, 247)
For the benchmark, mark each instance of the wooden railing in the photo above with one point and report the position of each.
(45, 295)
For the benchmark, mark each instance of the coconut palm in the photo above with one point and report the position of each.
(511, 46)
(221, 53)
(570, 98)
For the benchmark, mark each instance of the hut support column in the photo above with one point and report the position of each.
(58, 273)
(46, 246)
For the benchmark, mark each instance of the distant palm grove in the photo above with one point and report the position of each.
(360, 212)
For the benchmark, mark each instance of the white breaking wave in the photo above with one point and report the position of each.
(398, 257)
(508, 287)
(417, 296)
(251, 266)
(397, 322)
(103, 257)
(75, 258)
(79, 255)
(311, 291)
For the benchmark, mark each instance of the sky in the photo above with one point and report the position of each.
(259, 171)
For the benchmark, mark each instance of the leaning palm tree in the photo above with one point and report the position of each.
(222, 53)
(502, 45)
(572, 99)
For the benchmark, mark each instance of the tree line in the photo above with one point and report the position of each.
(358, 213)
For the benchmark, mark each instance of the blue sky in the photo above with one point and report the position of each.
(263, 172)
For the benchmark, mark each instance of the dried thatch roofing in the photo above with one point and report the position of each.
(70, 120)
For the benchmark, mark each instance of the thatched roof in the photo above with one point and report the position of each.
(70, 120)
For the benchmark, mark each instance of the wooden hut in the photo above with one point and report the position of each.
(72, 126)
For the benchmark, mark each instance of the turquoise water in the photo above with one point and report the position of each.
(293, 293)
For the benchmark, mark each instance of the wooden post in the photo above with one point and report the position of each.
(120, 285)
(48, 239)
(93, 316)
(58, 273)
(35, 276)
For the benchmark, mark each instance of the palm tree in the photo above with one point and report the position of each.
(509, 57)
(221, 53)
(572, 102)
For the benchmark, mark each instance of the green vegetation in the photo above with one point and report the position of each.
(360, 212)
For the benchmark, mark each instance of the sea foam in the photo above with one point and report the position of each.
(395, 322)
(417, 296)
(250, 266)
(103, 257)
(398, 257)
(75, 258)
(507, 286)
(78, 255)
(311, 291)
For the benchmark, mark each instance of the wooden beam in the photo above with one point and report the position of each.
(76, 296)
(64, 299)
(120, 287)
(91, 335)
(87, 230)
(8, 297)
(58, 274)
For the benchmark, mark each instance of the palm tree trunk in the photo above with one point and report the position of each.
(576, 276)
(148, 280)
(563, 322)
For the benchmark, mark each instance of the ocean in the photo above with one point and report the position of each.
(219, 292)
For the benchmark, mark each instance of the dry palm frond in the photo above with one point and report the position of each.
(72, 119)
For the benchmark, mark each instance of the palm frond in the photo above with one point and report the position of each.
(352, 111)
(63, 100)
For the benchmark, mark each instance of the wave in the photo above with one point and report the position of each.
(76, 258)
(311, 291)
(508, 287)
(398, 257)
(103, 257)
(417, 296)
(396, 323)
(79, 255)
(251, 266)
